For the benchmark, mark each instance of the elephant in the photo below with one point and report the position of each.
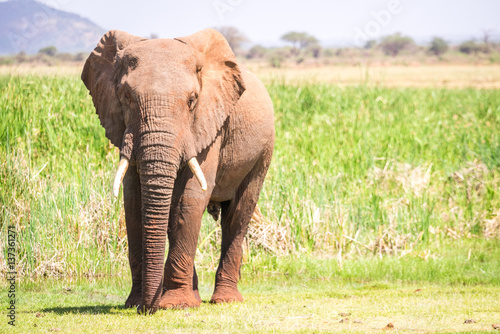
(195, 131)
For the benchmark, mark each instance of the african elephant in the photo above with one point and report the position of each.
(197, 131)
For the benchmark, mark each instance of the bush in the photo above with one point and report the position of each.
(315, 50)
(393, 44)
(471, 47)
(370, 44)
(256, 51)
(438, 46)
(50, 51)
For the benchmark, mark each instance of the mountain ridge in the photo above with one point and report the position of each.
(28, 26)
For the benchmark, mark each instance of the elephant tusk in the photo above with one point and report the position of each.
(120, 174)
(196, 169)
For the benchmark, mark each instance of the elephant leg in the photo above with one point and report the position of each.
(236, 215)
(179, 279)
(133, 219)
(195, 285)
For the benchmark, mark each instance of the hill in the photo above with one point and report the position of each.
(27, 25)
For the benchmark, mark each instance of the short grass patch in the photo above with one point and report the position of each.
(272, 305)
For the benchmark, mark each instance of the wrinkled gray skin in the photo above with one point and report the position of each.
(163, 102)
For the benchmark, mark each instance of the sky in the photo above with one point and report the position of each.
(347, 22)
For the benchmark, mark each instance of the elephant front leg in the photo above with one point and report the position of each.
(195, 285)
(180, 281)
(133, 219)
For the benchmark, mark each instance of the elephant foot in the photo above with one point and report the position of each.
(180, 299)
(226, 295)
(197, 295)
(135, 297)
(143, 310)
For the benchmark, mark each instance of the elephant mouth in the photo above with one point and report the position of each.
(124, 163)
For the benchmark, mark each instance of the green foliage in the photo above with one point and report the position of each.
(393, 44)
(49, 51)
(276, 60)
(471, 47)
(256, 51)
(234, 37)
(314, 50)
(349, 161)
(356, 171)
(278, 56)
(438, 46)
(370, 44)
(299, 40)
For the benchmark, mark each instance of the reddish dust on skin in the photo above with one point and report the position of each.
(179, 299)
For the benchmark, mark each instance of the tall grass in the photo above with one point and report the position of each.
(382, 165)
(356, 170)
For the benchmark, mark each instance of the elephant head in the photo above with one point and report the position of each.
(161, 102)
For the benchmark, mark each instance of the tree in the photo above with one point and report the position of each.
(49, 51)
(315, 49)
(487, 39)
(394, 44)
(21, 57)
(257, 51)
(299, 40)
(471, 46)
(370, 44)
(438, 46)
(234, 37)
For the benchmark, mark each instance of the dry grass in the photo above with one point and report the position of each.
(69, 69)
(491, 227)
(414, 180)
(268, 235)
(450, 76)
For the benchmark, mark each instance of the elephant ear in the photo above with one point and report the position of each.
(221, 85)
(99, 77)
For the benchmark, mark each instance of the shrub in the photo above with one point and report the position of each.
(393, 44)
(438, 46)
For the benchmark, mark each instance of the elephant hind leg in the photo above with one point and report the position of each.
(236, 215)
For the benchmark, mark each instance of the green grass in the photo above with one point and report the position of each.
(373, 193)
(298, 305)
(358, 172)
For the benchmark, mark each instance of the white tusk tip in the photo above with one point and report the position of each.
(120, 173)
(198, 173)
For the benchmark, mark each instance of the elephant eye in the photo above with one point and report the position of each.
(127, 97)
(193, 99)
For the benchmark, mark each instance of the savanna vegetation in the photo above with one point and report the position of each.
(300, 49)
(380, 202)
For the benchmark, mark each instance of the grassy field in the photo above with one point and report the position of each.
(373, 192)
(449, 76)
(452, 75)
(298, 306)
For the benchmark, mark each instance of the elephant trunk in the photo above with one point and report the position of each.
(156, 198)
(158, 166)
(158, 146)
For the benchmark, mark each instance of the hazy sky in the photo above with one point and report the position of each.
(264, 21)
